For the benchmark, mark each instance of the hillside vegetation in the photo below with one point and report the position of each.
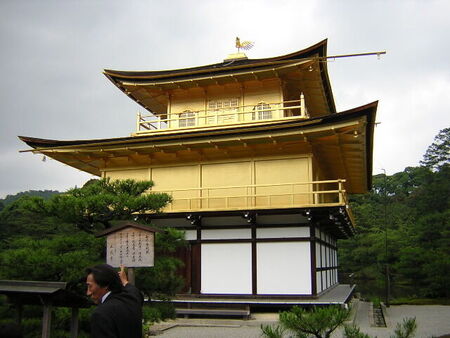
(403, 229)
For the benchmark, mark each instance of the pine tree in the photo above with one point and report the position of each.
(438, 153)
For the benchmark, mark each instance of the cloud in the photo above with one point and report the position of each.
(53, 53)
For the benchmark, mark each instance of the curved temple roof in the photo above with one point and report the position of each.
(342, 141)
(149, 88)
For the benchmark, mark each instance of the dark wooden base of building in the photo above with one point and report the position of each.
(231, 306)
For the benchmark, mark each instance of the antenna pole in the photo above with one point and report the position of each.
(351, 55)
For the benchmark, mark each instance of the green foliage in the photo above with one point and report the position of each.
(156, 312)
(420, 301)
(403, 222)
(169, 241)
(406, 329)
(162, 280)
(270, 331)
(51, 240)
(32, 327)
(18, 219)
(319, 322)
(61, 321)
(438, 153)
(61, 258)
(352, 331)
(97, 203)
(376, 301)
(45, 194)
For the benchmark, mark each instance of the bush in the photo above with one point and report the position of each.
(318, 322)
(156, 312)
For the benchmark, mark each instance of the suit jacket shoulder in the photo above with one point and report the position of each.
(120, 316)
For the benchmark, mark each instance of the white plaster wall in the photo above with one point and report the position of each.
(318, 262)
(320, 234)
(318, 281)
(282, 232)
(322, 249)
(284, 268)
(191, 235)
(227, 234)
(327, 256)
(226, 268)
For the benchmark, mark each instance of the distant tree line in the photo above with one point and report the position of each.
(404, 223)
(40, 193)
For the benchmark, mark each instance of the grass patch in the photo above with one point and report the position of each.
(376, 301)
(420, 301)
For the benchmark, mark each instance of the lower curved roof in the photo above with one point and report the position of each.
(342, 143)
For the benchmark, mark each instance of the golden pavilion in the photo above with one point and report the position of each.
(259, 165)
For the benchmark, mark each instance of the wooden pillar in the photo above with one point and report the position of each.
(47, 320)
(19, 311)
(196, 268)
(254, 260)
(131, 276)
(74, 323)
(302, 105)
(138, 121)
(313, 243)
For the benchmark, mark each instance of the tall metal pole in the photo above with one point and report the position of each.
(387, 279)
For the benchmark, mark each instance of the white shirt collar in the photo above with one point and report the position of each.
(105, 296)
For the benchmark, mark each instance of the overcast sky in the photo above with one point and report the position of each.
(53, 53)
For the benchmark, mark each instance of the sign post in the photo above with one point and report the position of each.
(130, 244)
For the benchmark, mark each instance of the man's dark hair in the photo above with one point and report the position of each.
(105, 275)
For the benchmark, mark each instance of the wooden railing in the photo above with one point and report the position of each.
(271, 196)
(262, 111)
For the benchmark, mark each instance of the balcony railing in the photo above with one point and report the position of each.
(262, 111)
(258, 196)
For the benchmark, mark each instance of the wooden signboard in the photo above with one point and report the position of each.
(131, 245)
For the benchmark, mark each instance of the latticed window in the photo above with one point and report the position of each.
(226, 104)
(223, 111)
(187, 119)
(262, 111)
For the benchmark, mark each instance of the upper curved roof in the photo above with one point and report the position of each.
(319, 49)
(125, 80)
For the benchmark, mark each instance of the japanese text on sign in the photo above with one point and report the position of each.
(130, 247)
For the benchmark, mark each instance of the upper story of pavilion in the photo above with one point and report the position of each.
(236, 92)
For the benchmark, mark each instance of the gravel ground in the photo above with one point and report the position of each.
(213, 332)
(432, 321)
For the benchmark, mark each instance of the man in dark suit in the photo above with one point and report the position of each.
(119, 304)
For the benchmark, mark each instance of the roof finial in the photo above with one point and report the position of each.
(246, 45)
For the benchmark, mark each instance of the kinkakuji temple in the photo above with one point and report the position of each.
(259, 165)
